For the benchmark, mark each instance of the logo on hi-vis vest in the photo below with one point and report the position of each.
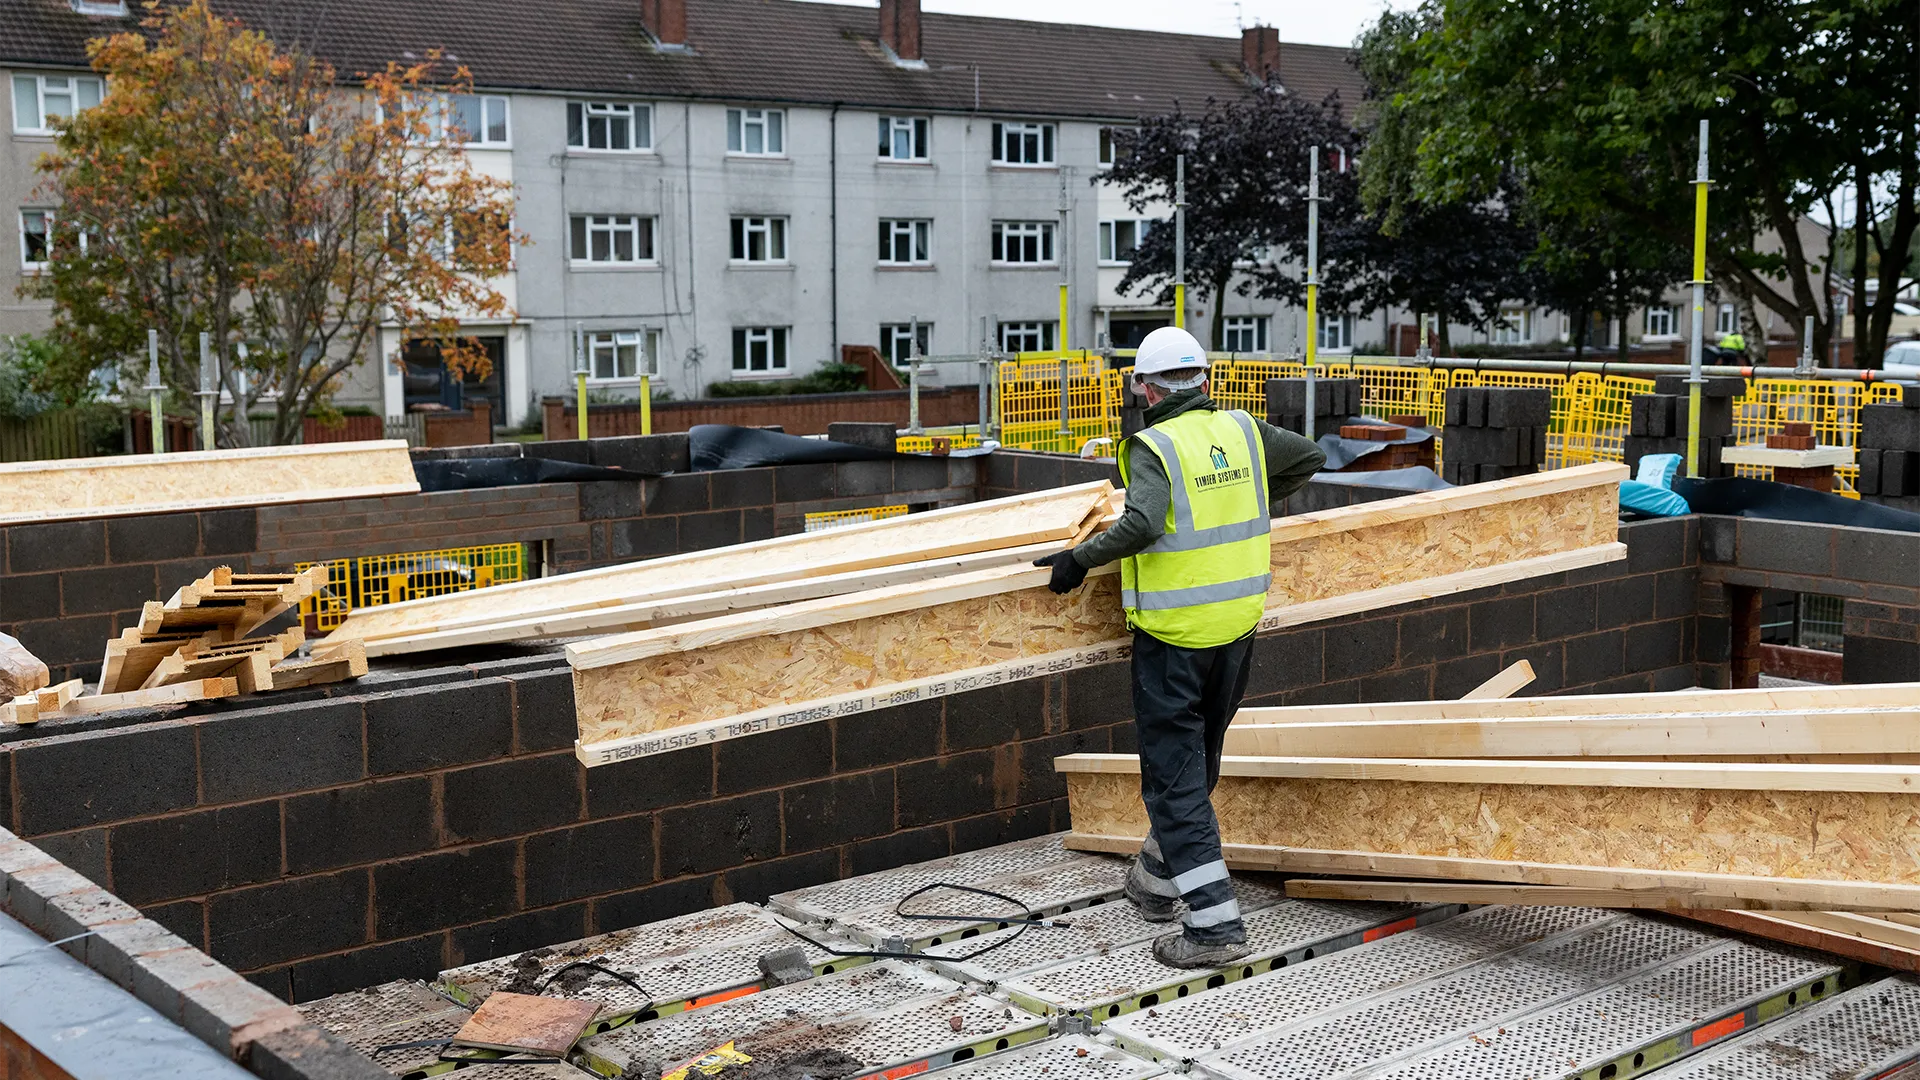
(1221, 474)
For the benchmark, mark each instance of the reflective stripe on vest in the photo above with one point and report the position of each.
(1204, 582)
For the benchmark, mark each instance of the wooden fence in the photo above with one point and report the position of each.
(63, 433)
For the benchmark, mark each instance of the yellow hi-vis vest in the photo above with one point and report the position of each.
(1204, 583)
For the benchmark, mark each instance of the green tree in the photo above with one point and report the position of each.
(1247, 164)
(231, 187)
(1594, 104)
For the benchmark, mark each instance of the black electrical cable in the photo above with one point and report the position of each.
(602, 969)
(1024, 920)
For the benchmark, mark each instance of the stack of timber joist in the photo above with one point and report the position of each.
(195, 646)
(1787, 813)
(744, 577)
(202, 480)
(666, 687)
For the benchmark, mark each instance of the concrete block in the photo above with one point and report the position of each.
(359, 824)
(926, 473)
(803, 483)
(411, 958)
(517, 933)
(153, 538)
(717, 528)
(1878, 555)
(1655, 545)
(883, 737)
(1565, 613)
(1786, 546)
(831, 812)
(280, 748)
(229, 532)
(195, 853)
(899, 849)
(671, 779)
(651, 455)
(716, 835)
(84, 851)
(230, 1013)
(606, 499)
(944, 789)
(801, 752)
(591, 859)
(679, 494)
(27, 597)
(425, 893)
(1652, 646)
(755, 882)
(507, 798)
(1869, 480)
(994, 715)
(862, 477)
(437, 726)
(1722, 387)
(55, 546)
(1500, 623)
(1475, 414)
(68, 781)
(876, 436)
(578, 451)
(1361, 646)
(1519, 407)
(732, 488)
(1890, 427)
(1430, 636)
(1898, 473)
(1873, 659)
(116, 950)
(164, 979)
(643, 538)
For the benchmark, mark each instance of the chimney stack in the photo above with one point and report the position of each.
(900, 28)
(666, 20)
(1260, 52)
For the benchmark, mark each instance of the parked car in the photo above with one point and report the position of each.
(1906, 320)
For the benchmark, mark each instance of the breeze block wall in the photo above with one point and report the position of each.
(329, 839)
(67, 587)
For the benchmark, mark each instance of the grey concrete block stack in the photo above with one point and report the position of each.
(1890, 452)
(1334, 400)
(1493, 433)
(1658, 421)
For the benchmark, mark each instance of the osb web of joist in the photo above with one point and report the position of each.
(1052, 515)
(1844, 836)
(1380, 545)
(95, 487)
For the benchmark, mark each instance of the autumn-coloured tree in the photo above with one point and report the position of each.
(229, 186)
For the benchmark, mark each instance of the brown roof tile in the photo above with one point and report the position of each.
(768, 50)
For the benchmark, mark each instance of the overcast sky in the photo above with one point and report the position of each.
(1314, 22)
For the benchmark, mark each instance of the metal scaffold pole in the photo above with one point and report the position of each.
(1695, 380)
(154, 388)
(207, 392)
(1313, 278)
(1180, 241)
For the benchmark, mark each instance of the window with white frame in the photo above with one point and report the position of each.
(36, 238)
(1119, 237)
(1106, 147)
(1023, 242)
(1336, 331)
(1022, 144)
(1026, 336)
(609, 125)
(756, 132)
(477, 119)
(614, 239)
(759, 240)
(1245, 333)
(759, 350)
(41, 100)
(1513, 327)
(622, 354)
(1660, 320)
(1726, 320)
(903, 138)
(898, 339)
(906, 242)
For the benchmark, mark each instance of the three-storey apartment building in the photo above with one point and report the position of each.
(734, 189)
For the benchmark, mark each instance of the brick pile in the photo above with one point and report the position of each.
(1397, 454)
(1658, 421)
(1334, 401)
(1495, 432)
(1890, 452)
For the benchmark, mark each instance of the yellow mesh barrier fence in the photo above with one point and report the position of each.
(1030, 402)
(1833, 408)
(374, 580)
(923, 444)
(823, 520)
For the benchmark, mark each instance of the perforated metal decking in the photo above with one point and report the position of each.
(392, 1014)
(1040, 873)
(1103, 987)
(891, 1015)
(1864, 1034)
(682, 963)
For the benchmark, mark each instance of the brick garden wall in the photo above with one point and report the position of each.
(66, 587)
(429, 818)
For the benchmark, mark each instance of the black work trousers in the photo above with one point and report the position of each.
(1183, 700)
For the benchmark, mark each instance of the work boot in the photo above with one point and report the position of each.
(1151, 905)
(1181, 951)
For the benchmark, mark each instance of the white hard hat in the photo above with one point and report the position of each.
(1171, 349)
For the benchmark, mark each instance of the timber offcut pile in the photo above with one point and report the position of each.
(196, 645)
(875, 642)
(1786, 813)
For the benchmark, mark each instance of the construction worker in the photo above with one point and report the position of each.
(1194, 574)
(1733, 341)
